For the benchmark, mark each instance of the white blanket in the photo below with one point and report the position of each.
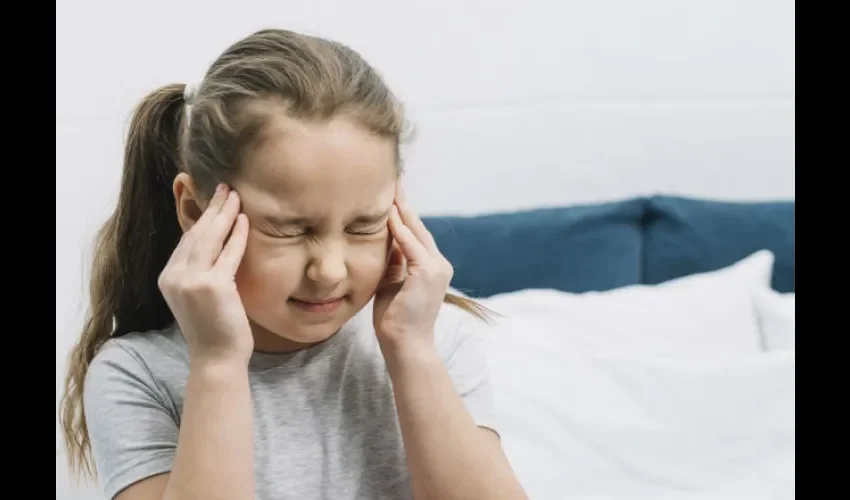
(648, 392)
(595, 426)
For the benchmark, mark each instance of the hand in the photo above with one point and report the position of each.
(411, 294)
(198, 282)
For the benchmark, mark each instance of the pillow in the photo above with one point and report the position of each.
(576, 249)
(701, 316)
(777, 319)
(685, 236)
(587, 425)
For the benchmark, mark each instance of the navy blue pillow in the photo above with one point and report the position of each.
(575, 249)
(685, 236)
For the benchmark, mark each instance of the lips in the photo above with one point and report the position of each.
(317, 306)
(318, 302)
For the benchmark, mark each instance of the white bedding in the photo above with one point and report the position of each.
(777, 314)
(701, 315)
(654, 392)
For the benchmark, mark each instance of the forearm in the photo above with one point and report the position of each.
(215, 451)
(449, 456)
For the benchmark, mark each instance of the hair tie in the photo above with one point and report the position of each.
(189, 93)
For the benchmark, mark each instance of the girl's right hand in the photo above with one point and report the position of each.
(198, 283)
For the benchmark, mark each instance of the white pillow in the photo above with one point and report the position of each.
(777, 319)
(578, 425)
(700, 315)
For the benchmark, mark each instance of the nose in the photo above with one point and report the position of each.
(327, 266)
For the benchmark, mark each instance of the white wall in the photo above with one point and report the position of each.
(517, 103)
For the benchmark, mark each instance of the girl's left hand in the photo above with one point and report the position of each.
(417, 278)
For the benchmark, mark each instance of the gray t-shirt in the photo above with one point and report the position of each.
(325, 423)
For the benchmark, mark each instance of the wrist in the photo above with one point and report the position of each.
(415, 355)
(218, 364)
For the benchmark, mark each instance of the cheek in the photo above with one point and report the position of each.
(368, 261)
(266, 267)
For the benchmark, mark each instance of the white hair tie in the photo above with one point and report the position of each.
(189, 93)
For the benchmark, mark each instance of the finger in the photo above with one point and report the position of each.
(208, 244)
(183, 252)
(216, 203)
(231, 255)
(413, 249)
(417, 227)
(396, 256)
(395, 271)
(183, 249)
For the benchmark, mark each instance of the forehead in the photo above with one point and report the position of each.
(314, 168)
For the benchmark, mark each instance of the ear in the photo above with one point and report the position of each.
(190, 204)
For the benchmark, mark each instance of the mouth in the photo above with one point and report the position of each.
(317, 305)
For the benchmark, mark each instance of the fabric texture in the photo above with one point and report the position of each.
(325, 421)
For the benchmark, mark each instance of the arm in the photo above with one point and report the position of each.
(442, 407)
(449, 455)
(142, 454)
(215, 451)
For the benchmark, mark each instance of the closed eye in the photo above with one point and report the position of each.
(293, 233)
(368, 230)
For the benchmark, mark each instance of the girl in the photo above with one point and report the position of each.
(269, 317)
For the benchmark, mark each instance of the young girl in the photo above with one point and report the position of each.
(270, 320)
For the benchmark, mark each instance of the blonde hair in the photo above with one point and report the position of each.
(311, 78)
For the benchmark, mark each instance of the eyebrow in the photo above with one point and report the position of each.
(284, 221)
(373, 217)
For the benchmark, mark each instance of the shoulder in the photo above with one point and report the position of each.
(140, 360)
(454, 329)
(130, 410)
(149, 348)
(461, 339)
(458, 329)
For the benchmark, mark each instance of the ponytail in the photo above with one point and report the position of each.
(131, 250)
(468, 305)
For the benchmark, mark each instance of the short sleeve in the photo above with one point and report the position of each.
(133, 435)
(461, 341)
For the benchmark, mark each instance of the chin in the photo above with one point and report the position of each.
(298, 326)
(312, 334)
(293, 331)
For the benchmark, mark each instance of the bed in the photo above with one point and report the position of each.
(642, 347)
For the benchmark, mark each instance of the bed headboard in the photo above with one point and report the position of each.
(595, 247)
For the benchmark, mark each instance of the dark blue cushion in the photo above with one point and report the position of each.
(575, 249)
(685, 236)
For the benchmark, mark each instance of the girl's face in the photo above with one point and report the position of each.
(317, 196)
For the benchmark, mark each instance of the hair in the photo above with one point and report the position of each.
(206, 134)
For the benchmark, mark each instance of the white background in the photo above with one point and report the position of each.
(517, 103)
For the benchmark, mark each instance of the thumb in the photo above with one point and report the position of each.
(396, 266)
